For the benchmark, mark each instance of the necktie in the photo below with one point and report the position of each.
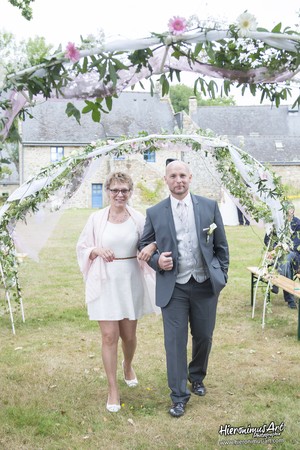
(183, 214)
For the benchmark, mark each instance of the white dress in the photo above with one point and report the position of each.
(228, 210)
(123, 294)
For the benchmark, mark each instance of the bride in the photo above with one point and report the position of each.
(228, 209)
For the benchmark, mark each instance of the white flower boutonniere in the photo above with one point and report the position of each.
(210, 230)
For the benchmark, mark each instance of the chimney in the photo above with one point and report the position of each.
(192, 106)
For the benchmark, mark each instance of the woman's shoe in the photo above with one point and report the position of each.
(130, 383)
(113, 408)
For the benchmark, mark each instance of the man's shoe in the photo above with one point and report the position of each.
(292, 305)
(177, 409)
(198, 388)
(275, 289)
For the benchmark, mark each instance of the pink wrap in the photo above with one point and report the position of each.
(94, 272)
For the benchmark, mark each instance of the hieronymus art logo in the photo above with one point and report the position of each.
(254, 434)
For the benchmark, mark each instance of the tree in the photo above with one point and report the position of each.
(4, 166)
(17, 54)
(180, 94)
(37, 50)
(24, 6)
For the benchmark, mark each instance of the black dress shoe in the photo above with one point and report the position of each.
(275, 289)
(177, 409)
(198, 388)
(292, 305)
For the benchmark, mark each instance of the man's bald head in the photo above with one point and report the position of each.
(178, 178)
(177, 165)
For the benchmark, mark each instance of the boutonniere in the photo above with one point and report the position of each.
(210, 230)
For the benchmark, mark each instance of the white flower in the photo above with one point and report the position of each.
(210, 230)
(246, 22)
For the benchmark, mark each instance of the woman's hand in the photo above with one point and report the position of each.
(105, 253)
(146, 253)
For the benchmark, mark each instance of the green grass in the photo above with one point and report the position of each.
(53, 386)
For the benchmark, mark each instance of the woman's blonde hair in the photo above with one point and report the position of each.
(120, 177)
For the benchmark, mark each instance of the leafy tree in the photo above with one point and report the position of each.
(218, 101)
(17, 54)
(37, 50)
(4, 166)
(180, 94)
(24, 6)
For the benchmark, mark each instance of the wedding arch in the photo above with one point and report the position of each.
(242, 53)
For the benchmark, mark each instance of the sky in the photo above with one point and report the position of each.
(61, 21)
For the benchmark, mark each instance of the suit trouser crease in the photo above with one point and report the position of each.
(193, 303)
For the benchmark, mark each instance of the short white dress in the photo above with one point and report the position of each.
(123, 293)
(228, 210)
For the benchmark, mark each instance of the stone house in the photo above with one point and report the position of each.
(271, 135)
(50, 135)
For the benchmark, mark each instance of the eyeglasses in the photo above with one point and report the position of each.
(117, 191)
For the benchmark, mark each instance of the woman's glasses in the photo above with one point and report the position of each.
(117, 191)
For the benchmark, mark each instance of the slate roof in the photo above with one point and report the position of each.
(131, 113)
(270, 134)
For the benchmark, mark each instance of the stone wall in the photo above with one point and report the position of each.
(205, 178)
(147, 173)
(34, 158)
(290, 175)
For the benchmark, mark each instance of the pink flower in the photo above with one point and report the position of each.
(264, 176)
(177, 25)
(72, 53)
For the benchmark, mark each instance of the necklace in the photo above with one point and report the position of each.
(118, 218)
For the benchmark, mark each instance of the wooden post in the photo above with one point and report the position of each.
(8, 299)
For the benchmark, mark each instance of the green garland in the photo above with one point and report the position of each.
(73, 169)
(234, 52)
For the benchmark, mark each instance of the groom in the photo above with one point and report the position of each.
(191, 264)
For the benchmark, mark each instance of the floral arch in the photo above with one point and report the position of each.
(252, 57)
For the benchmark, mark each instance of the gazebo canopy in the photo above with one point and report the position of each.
(251, 57)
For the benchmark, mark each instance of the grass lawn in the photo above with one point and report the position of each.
(53, 387)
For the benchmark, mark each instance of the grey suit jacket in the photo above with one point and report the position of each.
(160, 227)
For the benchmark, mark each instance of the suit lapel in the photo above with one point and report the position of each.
(170, 220)
(197, 214)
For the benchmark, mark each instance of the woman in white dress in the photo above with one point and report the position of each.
(228, 209)
(119, 286)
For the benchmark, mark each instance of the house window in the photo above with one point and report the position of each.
(279, 145)
(149, 155)
(97, 201)
(56, 153)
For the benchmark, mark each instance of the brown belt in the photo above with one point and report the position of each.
(127, 257)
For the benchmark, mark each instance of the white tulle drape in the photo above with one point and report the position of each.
(89, 85)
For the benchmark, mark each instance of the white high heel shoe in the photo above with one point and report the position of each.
(130, 383)
(113, 408)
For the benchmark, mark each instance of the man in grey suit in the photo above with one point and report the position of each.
(191, 264)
